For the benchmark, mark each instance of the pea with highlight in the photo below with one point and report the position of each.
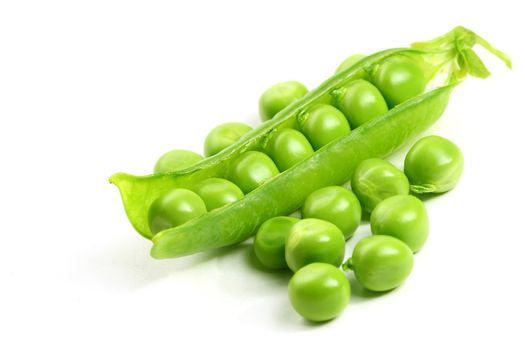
(314, 240)
(376, 179)
(268, 245)
(279, 96)
(223, 136)
(175, 160)
(433, 165)
(323, 124)
(288, 147)
(403, 217)
(380, 263)
(319, 292)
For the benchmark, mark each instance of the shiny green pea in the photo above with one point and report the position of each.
(314, 240)
(334, 204)
(174, 208)
(433, 165)
(217, 192)
(323, 124)
(375, 180)
(399, 78)
(319, 292)
(251, 169)
(223, 136)
(361, 101)
(269, 241)
(403, 217)
(381, 263)
(349, 62)
(288, 147)
(177, 159)
(279, 96)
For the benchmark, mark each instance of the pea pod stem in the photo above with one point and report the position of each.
(348, 265)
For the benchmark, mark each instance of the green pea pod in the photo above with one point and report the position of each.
(445, 64)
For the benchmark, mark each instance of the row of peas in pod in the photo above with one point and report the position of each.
(396, 80)
(313, 247)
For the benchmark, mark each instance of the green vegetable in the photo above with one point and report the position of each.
(376, 179)
(279, 96)
(314, 240)
(288, 147)
(324, 124)
(433, 165)
(252, 169)
(399, 78)
(174, 208)
(334, 204)
(217, 192)
(319, 292)
(223, 136)
(349, 62)
(361, 101)
(176, 160)
(403, 217)
(330, 165)
(269, 241)
(380, 263)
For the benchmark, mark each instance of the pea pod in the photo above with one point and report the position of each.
(331, 165)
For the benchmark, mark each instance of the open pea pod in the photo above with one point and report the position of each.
(446, 61)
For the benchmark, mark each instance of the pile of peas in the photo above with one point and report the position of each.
(313, 247)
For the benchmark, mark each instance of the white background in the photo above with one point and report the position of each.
(89, 88)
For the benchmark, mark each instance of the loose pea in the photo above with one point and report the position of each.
(176, 160)
(174, 208)
(403, 217)
(314, 240)
(381, 263)
(433, 165)
(399, 78)
(217, 192)
(251, 169)
(279, 96)
(360, 102)
(323, 124)
(334, 204)
(349, 62)
(269, 241)
(375, 180)
(319, 292)
(288, 147)
(223, 136)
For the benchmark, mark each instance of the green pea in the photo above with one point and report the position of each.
(177, 159)
(334, 204)
(349, 62)
(433, 165)
(376, 179)
(314, 240)
(269, 241)
(360, 102)
(288, 147)
(279, 96)
(174, 208)
(381, 263)
(319, 292)
(399, 78)
(323, 124)
(403, 217)
(217, 192)
(251, 169)
(223, 136)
